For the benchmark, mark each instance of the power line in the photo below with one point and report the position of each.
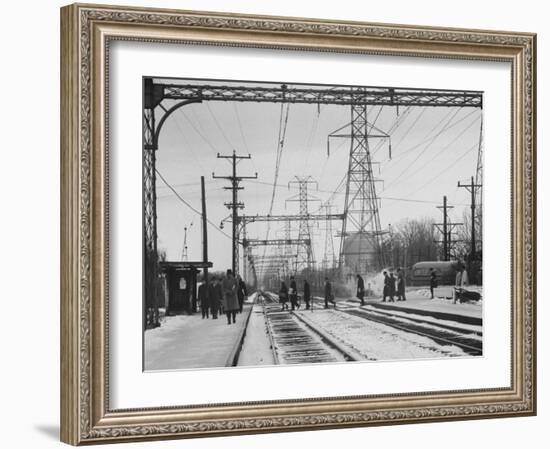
(422, 111)
(280, 147)
(184, 138)
(445, 169)
(239, 123)
(189, 205)
(441, 151)
(219, 126)
(397, 122)
(398, 178)
(312, 133)
(428, 139)
(341, 193)
(198, 132)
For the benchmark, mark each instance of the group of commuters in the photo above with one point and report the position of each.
(222, 295)
(394, 287)
(287, 294)
(290, 293)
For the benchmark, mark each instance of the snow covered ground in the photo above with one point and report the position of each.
(256, 350)
(189, 341)
(377, 341)
(407, 317)
(184, 342)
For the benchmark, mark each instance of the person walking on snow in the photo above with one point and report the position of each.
(217, 302)
(401, 285)
(386, 290)
(283, 296)
(361, 289)
(293, 293)
(392, 287)
(241, 292)
(204, 299)
(213, 297)
(307, 293)
(329, 296)
(460, 281)
(230, 300)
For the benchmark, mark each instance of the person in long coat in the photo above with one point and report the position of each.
(307, 293)
(241, 292)
(401, 285)
(386, 290)
(329, 296)
(214, 297)
(283, 296)
(392, 287)
(361, 289)
(204, 298)
(217, 302)
(230, 300)
(293, 293)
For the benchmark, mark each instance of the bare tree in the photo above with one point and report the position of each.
(412, 241)
(463, 249)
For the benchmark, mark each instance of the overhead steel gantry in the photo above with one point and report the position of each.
(282, 93)
(275, 242)
(283, 218)
(161, 99)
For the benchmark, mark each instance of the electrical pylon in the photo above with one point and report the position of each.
(304, 252)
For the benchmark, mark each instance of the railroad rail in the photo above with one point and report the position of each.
(295, 341)
(441, 333)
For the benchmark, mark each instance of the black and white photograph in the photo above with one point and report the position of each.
(288, 223)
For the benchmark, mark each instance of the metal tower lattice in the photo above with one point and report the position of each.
(304, 252)
(361, 230)
(329, 256)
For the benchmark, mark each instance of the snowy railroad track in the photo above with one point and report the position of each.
(441, 333)
(353, 332)
(295, 341)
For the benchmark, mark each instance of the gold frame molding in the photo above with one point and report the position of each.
(86, 31)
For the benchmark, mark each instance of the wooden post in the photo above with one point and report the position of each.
(204, 231)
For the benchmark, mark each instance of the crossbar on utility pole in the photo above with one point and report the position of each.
(234, 205)
(472, 187)
(446, 229)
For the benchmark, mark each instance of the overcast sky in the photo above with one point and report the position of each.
(432, 149)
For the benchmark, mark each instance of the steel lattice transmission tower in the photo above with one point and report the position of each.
(304, 252)
(361, 231)
(329, 257)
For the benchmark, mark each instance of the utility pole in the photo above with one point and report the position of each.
(392, 254)
(446, 228)
(472, 188)
(234, 205)
(204, 231)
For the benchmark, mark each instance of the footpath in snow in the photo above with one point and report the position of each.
(189, 341)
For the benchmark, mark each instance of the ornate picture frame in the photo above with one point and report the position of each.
(87, 32)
